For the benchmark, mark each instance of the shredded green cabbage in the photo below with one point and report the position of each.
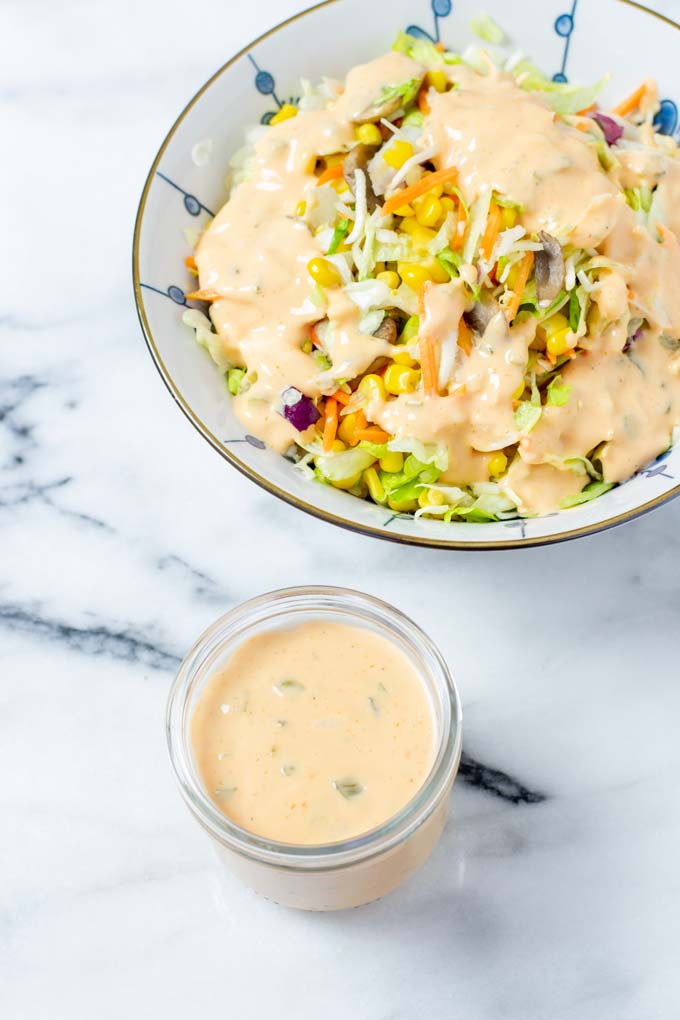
(487, 29)
(591, 491)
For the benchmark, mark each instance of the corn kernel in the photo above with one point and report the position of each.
(373, 387)
(389, 278)
(400, 379)
(409, 224)
(341, 185)
(448, 205)
(405, 210)
(347, 483)
(436, 80)
(368, 134)
(404, 358)
(436, 270)
(403, 506)
(497, 464)
(431, 497)
(374, 485)
(334, 159)
(413, 275)
(301, 208)
(392, 461)
(347, 427)
(511, 278)
(422, 237)
(324, 272)
(397, 153)
(429, 211)
(519, 391)
(508, 217)
(338, 446)
(557, 344)
(285, 113)
(555, 324)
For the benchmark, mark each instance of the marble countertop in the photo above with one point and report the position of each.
(555, 892)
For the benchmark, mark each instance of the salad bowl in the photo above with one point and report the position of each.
(186, 186)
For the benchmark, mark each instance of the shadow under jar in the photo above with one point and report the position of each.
(324, 875)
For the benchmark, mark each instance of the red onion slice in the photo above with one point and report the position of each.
(298, 409)
(612, 130)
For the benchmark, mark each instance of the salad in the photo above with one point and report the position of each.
(449, 285)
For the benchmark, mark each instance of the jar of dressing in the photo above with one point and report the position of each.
(315, 734)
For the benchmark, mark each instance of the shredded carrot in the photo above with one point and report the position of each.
(492, 230)
(421, 99)
(190, 262)
(331, 173)
(464, 337)
(586, 110)
(372, 435)
(440, 46)
(428, 364)
(632, 102)
(206, 294)
(358, 424)
(330, 427)
(583, 125)
(458, 236)
(407, 195)
(342, 397)
(525, 267)
(428, 358)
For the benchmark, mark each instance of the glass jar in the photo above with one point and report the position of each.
(329, 876)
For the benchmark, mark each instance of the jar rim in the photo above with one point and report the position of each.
(257, 613)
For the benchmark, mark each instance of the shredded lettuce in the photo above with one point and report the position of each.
(574, 311)
(558, 393)
(426, 453)
(369, 294)
(235, 377)
(407, 92)
(206, 336)
(591, 491)
(565, 98)
(479, 212)
(377, 450)
(406, 484)
(487, 29)
(423, 51)
(370, 321)
(339, 235)
(527, 416)
(344, 465)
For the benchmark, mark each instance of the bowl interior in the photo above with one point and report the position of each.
(186, 186)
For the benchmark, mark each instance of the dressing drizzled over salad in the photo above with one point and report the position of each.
(450, 285)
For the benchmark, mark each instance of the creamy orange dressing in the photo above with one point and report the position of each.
(313, 734)
(366, 82)
(505, 139)
(500, 138)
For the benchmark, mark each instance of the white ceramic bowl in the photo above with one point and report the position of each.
(572, 39)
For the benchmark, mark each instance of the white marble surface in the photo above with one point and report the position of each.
(120, 542)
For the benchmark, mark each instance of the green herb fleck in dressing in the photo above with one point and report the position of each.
(348, 788)
(288, 686)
